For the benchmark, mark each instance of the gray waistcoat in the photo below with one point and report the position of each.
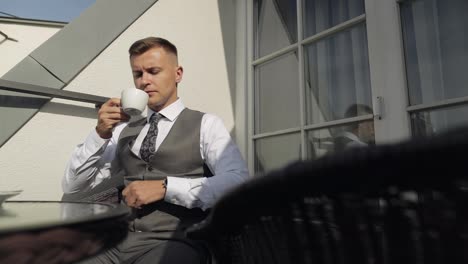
(179, 156)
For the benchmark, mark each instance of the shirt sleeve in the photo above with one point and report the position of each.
(223, 158)
(90, 162)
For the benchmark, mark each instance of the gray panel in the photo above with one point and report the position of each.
(17, 108)
(75, 46)
(30, 71)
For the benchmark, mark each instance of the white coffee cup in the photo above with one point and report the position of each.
(133, 101)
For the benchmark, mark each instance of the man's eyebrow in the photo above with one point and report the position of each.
(153, 68)
(147, 69)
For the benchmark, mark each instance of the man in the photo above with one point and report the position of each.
(357, 134)
(167, 184)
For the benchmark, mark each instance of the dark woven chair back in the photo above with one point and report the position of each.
(399, 203)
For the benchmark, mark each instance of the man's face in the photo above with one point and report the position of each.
(366, 132)
(157, 73)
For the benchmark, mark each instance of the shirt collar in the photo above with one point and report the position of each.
(170, 112)
(351, 136)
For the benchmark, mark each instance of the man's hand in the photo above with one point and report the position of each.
(140, 193)
(109, 115)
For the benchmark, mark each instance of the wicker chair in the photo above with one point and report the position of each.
(400, 203)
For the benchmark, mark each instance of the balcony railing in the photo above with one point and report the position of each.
(51, 92)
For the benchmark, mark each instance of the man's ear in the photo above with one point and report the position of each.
(179, 74)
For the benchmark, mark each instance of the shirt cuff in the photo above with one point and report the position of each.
(95, 141)
(177, 191)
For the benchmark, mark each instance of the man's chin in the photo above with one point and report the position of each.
(154, 101)
(155, 106)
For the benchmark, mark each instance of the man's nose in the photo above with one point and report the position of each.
(146, 78)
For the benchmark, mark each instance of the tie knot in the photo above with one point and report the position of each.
(155, 117)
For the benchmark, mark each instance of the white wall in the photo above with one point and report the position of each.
(34, 159)
(29, 38)
(14, 173)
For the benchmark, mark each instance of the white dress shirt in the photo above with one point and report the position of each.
(354, 141)
(90, 162)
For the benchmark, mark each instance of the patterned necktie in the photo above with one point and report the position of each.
(148, 146)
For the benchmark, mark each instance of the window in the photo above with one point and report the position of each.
(47, 10)
(326, 75)
(436, 56)
(311, 80)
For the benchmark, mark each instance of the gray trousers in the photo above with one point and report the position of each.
(148, 247)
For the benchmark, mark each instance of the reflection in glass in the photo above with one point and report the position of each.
(275, 25)
(429, 123)
(339, 138)
(320, 15)
(275, 152)
(337, 75)
(35, 214)
(277, 94)
(75, 211)
(436, 49)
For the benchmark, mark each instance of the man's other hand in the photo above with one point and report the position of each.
(139, 193)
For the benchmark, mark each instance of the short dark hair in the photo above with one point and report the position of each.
(357, 109)
(143, 45)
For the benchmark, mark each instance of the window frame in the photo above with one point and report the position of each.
(388, 80)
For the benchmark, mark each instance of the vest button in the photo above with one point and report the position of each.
(150, 168)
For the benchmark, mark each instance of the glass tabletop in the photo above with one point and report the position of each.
(32, 215)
